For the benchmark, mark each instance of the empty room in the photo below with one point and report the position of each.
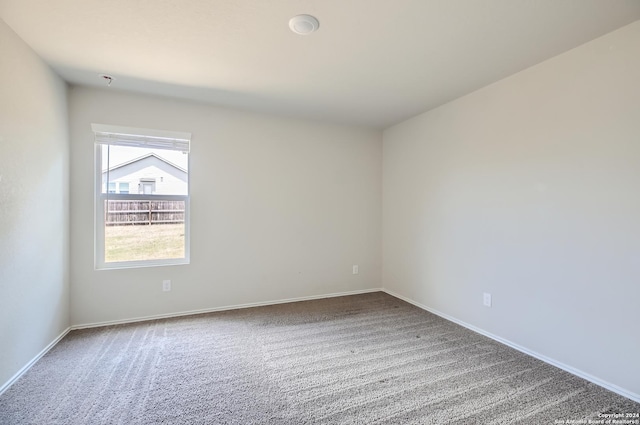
(319, 212)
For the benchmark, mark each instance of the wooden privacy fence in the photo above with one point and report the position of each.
(144, 212)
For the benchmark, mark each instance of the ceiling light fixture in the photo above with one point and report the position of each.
(304, 24)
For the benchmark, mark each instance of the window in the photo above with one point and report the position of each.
(148, 226)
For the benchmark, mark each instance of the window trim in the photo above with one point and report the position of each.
(100, 198)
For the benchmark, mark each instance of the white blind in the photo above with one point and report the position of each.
(111, 135)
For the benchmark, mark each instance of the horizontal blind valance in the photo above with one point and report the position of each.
(153, 139)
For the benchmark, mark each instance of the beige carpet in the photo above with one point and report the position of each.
(365, 359)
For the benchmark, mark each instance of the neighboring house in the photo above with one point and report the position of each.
(149, 174)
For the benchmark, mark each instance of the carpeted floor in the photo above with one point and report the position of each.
(365, 359)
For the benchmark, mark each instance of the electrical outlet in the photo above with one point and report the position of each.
(355, 269)
(166, 285)
(487, 299)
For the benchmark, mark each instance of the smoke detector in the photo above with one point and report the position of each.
(304, 24)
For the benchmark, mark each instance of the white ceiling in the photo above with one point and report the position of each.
(372, 62)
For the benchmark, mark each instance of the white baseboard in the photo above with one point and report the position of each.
(28, 366)
(607, 385)
(224, 308)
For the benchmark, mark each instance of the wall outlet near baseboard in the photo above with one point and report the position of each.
(486, 299)
(166, 285)
(355, 269)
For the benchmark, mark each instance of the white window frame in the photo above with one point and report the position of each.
(128, 136)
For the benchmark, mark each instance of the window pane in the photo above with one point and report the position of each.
(150, 171)
(142, 227)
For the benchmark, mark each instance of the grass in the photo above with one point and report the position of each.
(136, 243)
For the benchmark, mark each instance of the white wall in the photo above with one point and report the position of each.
(529, 189)
(280, 208)
(34, 231)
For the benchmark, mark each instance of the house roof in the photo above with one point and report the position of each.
(115, 167)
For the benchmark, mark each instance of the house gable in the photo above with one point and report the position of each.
(167, 178)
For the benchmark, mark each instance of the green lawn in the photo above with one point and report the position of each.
(135, 243)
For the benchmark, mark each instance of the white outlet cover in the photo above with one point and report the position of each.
(355, 269)
(166, 285)
(487, 299)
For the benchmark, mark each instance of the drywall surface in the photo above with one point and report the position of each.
(528, 189)
(280, 208)
(34, 200)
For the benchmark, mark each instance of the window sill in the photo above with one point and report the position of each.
(142, 264)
